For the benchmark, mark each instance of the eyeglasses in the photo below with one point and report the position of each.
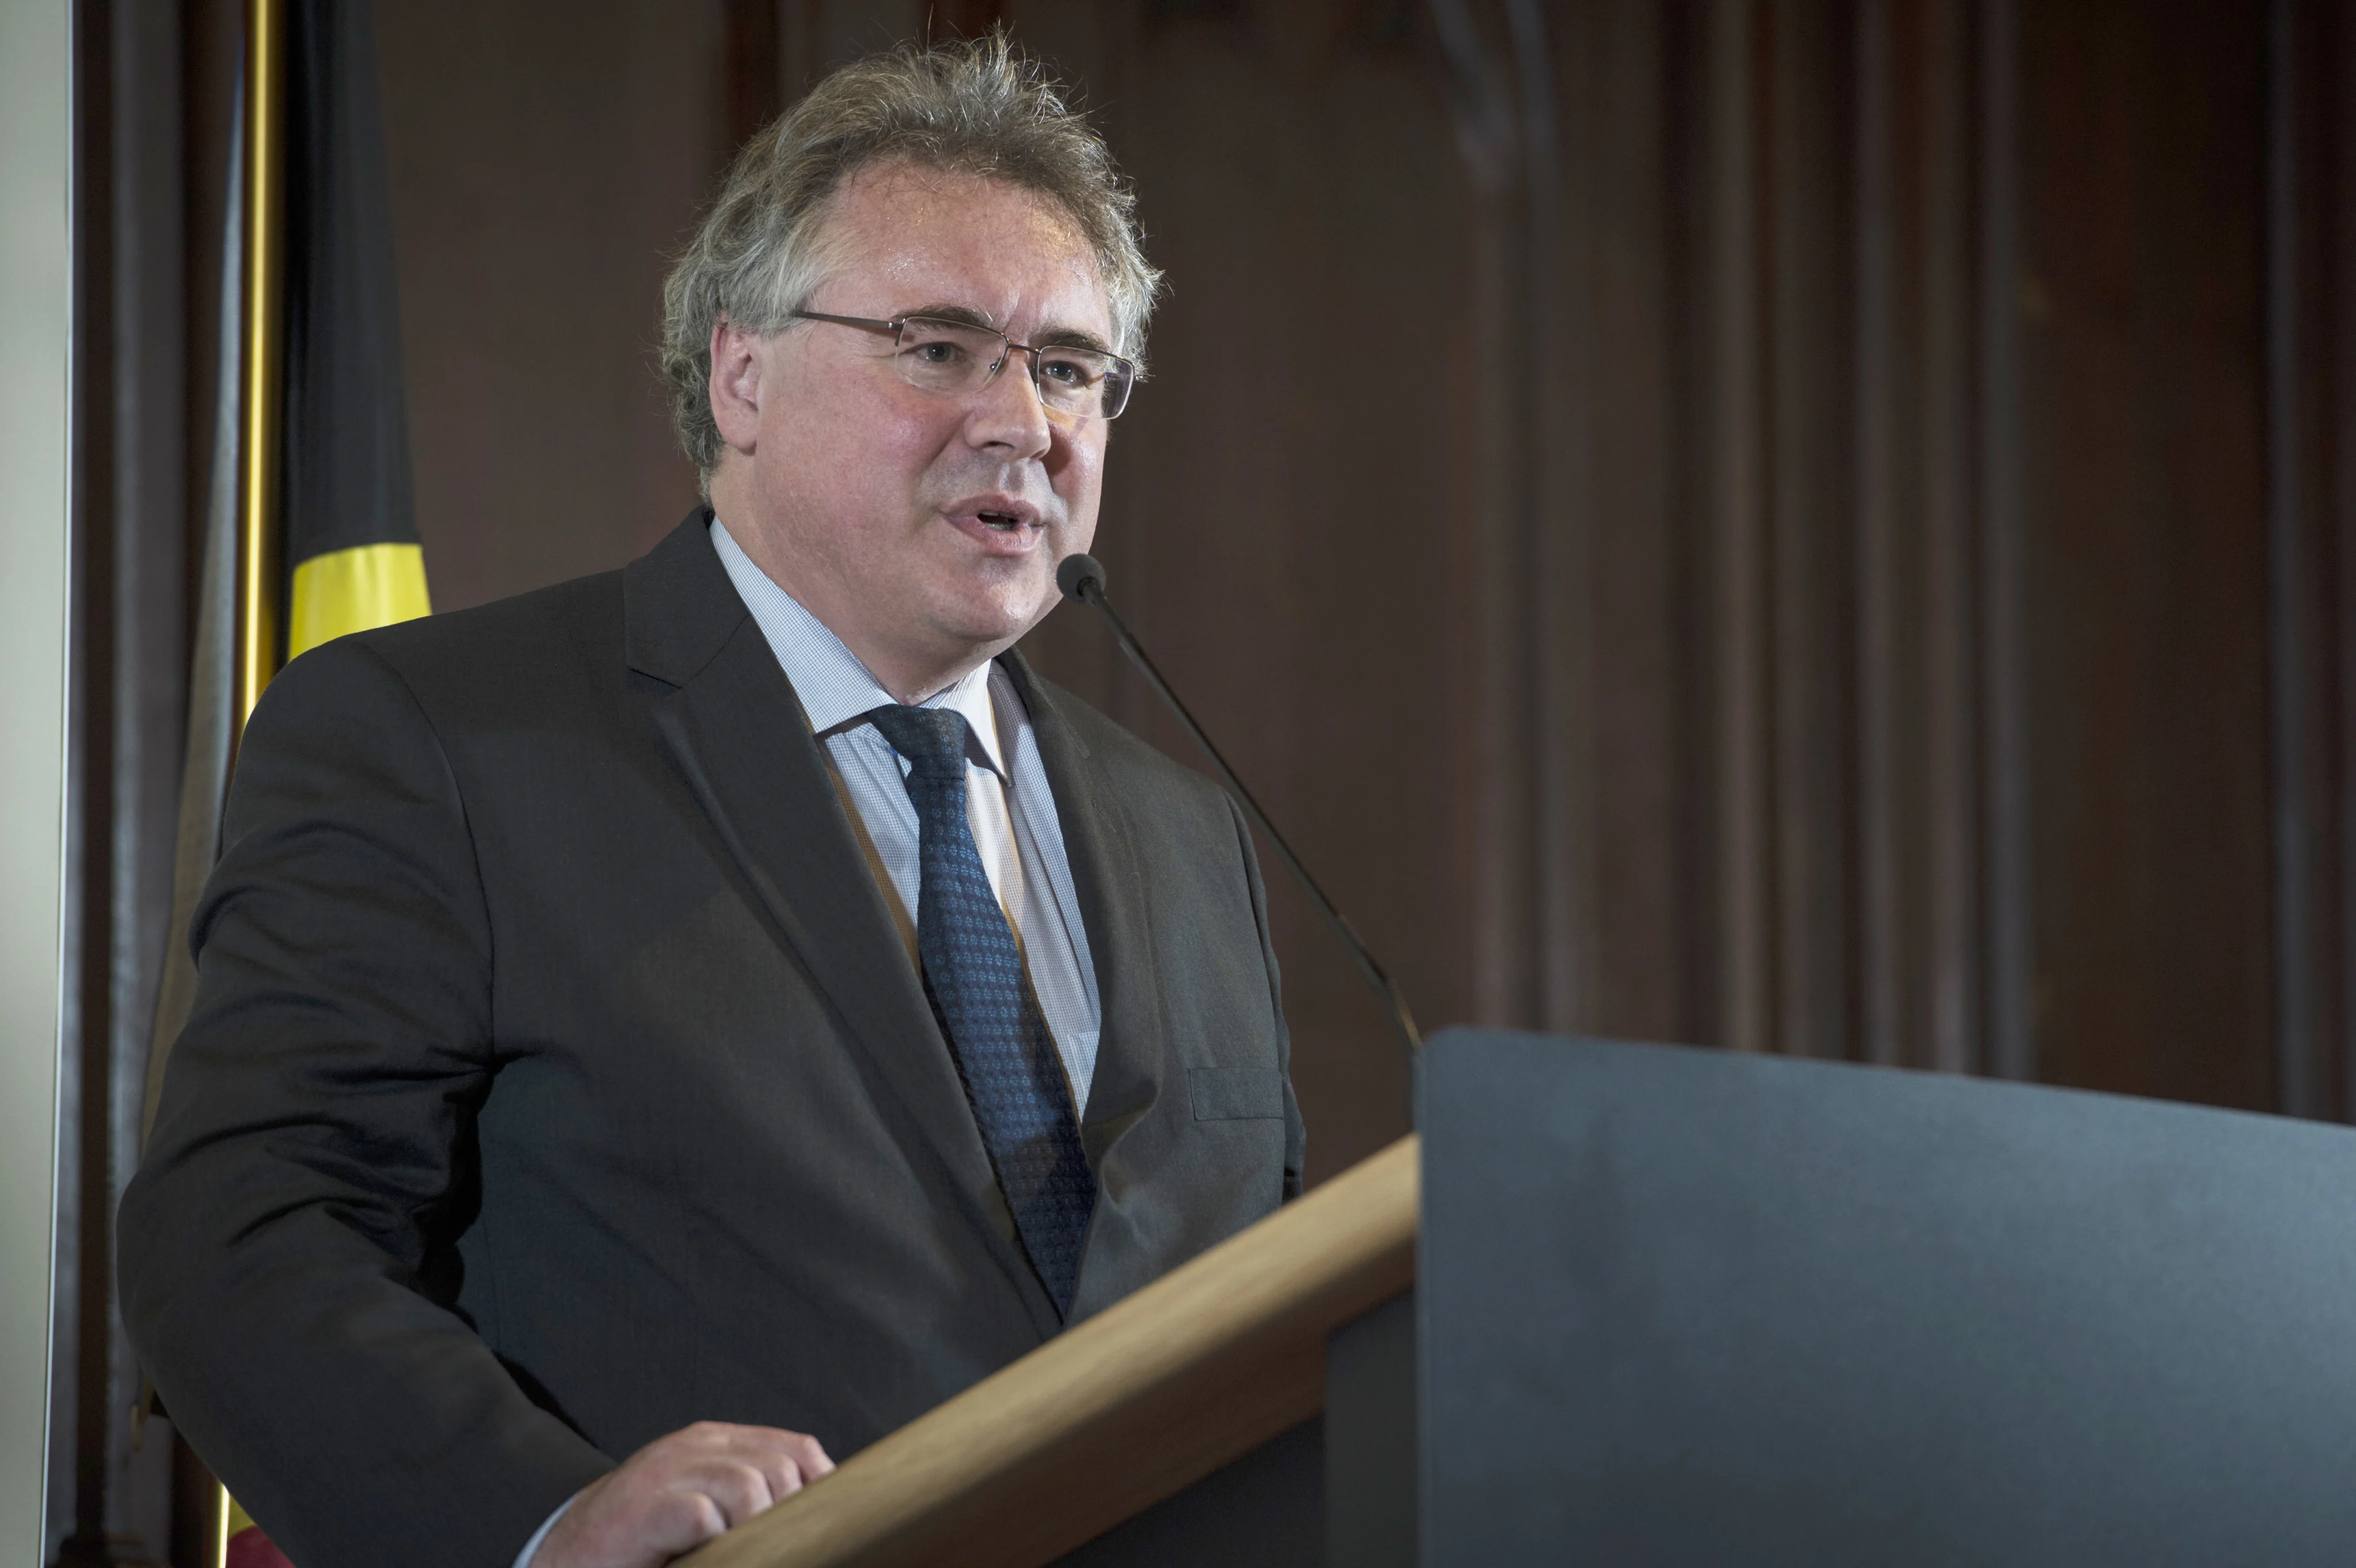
(953, 358)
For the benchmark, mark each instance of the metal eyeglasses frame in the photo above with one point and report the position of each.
(1126, 382)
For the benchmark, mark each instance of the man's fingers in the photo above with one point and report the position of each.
(739, 1488)
(678, 1522)
(786, 1459)
(810, 1456)
(780, 1477)
(680, 1491)
(800, 1455)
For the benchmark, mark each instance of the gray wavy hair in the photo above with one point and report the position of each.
(977, 107)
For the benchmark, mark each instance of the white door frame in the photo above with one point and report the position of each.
(36, 273)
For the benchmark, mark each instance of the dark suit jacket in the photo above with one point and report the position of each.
(557, 1077)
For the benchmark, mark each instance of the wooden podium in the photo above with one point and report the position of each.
(1200, 1369)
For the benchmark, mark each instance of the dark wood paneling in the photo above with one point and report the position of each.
(2001, 589)
(84, 1271)
(1626, 145)
(1888, 472)
(1917, 628)
(1946, 1020)
(1810, 320)
(2334, 415)
(1773, 555)
(1489, 441)
(2145, 493)
(752, 70)
(2307, 167)
(1292, 550)
(546, 159)
(1729, 453)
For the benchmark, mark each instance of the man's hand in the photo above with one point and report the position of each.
(678, 1492)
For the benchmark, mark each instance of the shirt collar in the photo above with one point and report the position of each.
(836, 691)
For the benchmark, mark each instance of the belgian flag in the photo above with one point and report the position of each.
(311, 374)
(351, 545)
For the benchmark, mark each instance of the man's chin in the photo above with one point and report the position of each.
(999, 616)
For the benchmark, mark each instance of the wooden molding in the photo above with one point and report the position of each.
(1128, 1408)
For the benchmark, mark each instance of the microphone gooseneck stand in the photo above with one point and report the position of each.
(1082, 577)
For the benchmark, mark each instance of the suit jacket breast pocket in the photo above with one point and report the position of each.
(1236, 1093)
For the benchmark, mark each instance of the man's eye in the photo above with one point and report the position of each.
(939, 352)
(1068, 372)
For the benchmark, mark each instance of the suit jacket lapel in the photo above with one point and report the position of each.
(1109, 879)
(735, 733)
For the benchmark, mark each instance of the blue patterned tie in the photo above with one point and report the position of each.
(974, 978)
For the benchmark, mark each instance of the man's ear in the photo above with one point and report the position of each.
(735, 385)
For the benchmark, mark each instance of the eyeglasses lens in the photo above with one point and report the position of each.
(954, 357)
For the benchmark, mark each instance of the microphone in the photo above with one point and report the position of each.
(1082, 577)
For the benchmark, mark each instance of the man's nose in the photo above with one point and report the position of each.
(1009, 413)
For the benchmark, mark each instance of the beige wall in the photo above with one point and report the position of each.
(36, 313)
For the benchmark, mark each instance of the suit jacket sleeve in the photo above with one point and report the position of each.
(287, 1249)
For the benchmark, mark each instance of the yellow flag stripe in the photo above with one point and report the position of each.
(353, 590)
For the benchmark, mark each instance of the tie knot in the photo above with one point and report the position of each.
(932, 739)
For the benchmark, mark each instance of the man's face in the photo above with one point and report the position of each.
(923, 528)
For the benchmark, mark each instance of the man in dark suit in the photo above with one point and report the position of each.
(659, 1031)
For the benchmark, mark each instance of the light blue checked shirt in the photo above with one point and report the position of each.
(1007, 800)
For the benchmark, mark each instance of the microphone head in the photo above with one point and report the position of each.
(1075, 574)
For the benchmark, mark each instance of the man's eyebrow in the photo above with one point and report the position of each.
(1057, 338)
(1073, 338)
(958, 313)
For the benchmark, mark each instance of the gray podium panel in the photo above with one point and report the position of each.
(1680, 1306)
(1263, 1510)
